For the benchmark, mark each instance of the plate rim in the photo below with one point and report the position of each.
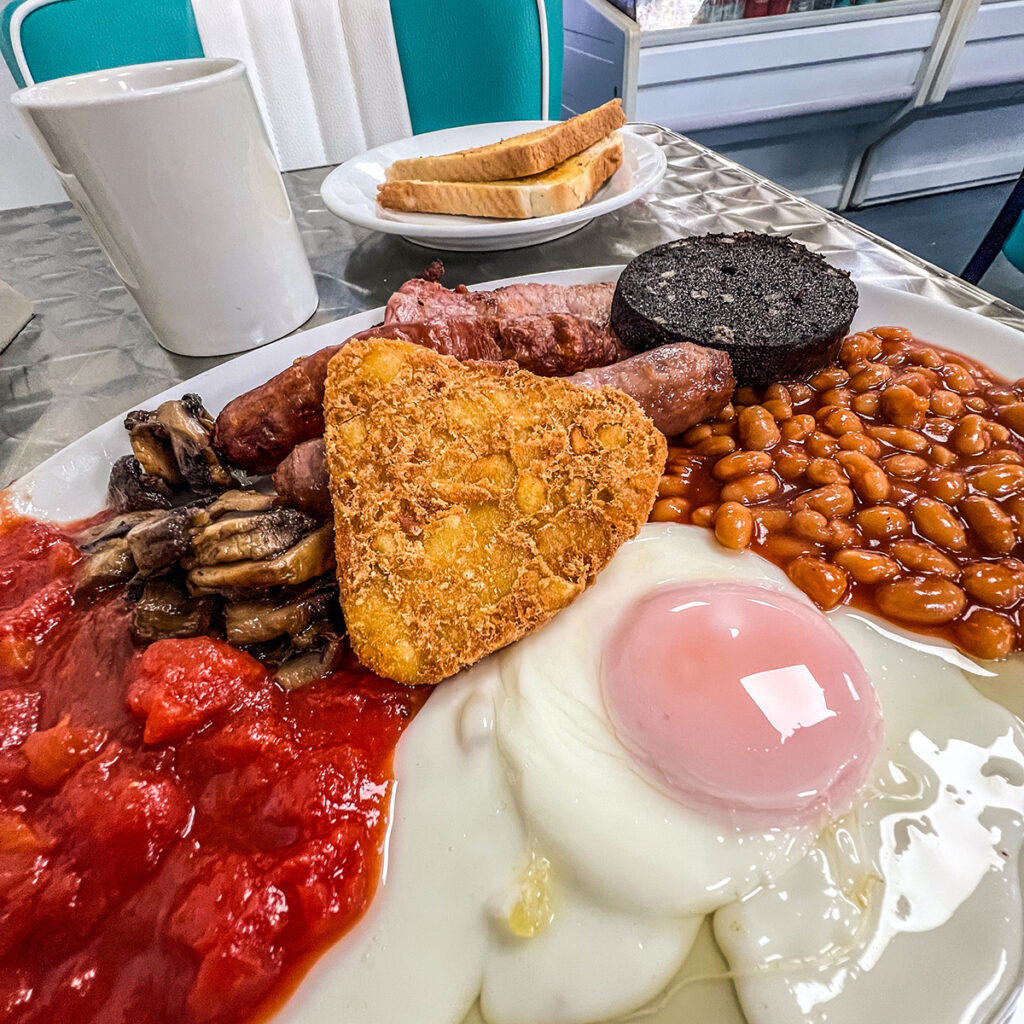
(447, 227)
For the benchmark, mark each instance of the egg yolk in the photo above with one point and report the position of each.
(741, 700)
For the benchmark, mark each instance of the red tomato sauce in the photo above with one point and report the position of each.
(178, 837)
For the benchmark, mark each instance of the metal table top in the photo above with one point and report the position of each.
(88, 353)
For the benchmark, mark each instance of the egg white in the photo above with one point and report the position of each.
(515, 759)
(910, 908)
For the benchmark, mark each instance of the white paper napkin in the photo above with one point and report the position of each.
(15, 312)
(326, 72)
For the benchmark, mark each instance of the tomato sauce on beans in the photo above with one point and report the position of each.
(893, 480)
(178, 837)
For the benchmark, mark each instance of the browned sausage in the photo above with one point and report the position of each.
(258, 429)
(676, 385)
(426, 299)
(301, 479)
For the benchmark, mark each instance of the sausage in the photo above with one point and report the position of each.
(301, 478)
(258, 429)
(676, 385)
(426, 299)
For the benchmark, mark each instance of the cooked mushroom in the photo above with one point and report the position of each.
(306, 668)
(95, 537)
(165, 610)
(248, 622)
(111, 563)
(256, 536)
(235, 501)
(163, 540)
(188, 426)
(309, 656)
(312, 556)
(152, 446)
(132, 489)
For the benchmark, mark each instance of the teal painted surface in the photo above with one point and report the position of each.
(72, 36)
(1013, 249)
(470, 61)
(6, 51)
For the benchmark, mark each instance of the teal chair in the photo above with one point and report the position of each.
(53, 38)
(1013, 247)
(455, 79)
(1006, 233)
(50, 39)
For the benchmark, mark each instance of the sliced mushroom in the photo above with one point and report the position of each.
(194, 407)
(189, 426)
(112, 563)
(132, 489)
(306, 668)
(95, 537)
(165, 610)
(152, 447)
(163, 540)
(235, 501)
(249, 622)
(256, 536)
(312, 556)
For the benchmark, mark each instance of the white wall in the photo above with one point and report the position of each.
(26, 179)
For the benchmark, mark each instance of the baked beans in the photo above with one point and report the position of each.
(893, 479)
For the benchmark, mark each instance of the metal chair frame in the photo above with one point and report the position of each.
(1006, 220)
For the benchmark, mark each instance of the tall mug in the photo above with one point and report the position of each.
(170, 165)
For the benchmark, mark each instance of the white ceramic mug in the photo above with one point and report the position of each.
(170, 165)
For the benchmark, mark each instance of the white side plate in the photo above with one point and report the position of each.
(350, 191)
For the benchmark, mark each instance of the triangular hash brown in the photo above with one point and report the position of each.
(472, 501)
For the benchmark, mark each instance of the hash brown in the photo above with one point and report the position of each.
(472, 501)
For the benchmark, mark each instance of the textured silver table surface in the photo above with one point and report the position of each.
(88, 354)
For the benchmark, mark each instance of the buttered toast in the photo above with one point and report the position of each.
(517, 157)
(565, 187)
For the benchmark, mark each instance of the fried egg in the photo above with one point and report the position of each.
(690, 737)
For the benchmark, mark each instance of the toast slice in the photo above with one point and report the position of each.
(565, 187)
(518, 156)
(472, 501)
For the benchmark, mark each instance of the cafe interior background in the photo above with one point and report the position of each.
(905, 115)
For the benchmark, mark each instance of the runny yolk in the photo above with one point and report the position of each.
(743, 701)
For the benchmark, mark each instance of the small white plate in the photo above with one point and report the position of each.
(350, 191)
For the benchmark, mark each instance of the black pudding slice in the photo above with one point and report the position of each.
(778, 309)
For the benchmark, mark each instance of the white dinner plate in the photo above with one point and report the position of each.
(72, 483)
(350, 191)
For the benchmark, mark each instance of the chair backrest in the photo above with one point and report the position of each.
(43, 39)
(462, 61)
(469, 61)
(1013, 247)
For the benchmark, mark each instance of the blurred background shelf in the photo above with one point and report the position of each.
(800, 97)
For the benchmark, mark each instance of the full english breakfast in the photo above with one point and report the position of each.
(659, 598)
